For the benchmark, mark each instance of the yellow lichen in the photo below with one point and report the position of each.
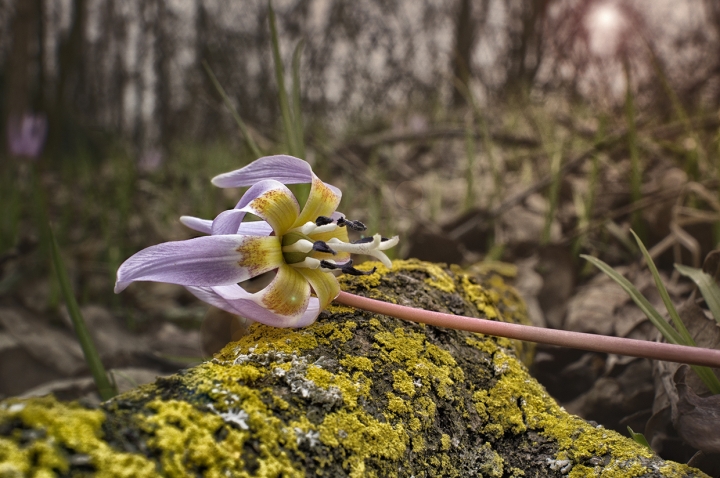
(418, 444)
(281, 399)
(403, 383)
(363, 435)
(62, 429)
(357, 363)
(445, 442)
(397, 404)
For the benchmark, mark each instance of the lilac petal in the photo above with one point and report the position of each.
(283, 168)
(286, 169)
(203, 261)
(276, 197)
(228, 222)
(255, 228)
(250, 228)
(235, 300)
(197, 224)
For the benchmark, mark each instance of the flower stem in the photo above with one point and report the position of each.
(563, 338)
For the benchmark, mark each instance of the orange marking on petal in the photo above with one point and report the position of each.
(278, 207)
(260, 254)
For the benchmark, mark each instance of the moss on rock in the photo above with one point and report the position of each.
(355, 394)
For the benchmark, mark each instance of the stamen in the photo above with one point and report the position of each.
(388, 243)
(325, 228)
(308, 263)
(323, 220)
(305, 229)
(301, 245)
(346, 268)
(321, 246)
(354, 225)
(365, 240)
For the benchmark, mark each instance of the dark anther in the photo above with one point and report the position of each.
(349, 269)
(354, 225)
(323, 220)
(328, 265)
(321, 246)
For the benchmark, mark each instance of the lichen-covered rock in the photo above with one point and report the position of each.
(355, 394)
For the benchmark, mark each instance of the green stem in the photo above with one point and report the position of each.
(105, 388)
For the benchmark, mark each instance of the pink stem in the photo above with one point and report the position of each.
(563, 338)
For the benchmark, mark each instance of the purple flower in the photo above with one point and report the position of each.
(302, 246)
(26, 135)
(150, 160)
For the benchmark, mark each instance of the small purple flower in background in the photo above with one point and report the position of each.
(302, 246)
(150, 160)
(26, 135)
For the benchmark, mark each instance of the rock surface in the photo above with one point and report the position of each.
(355, 394)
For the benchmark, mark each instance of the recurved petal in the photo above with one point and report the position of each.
(283, 168)
(197, 224)
(276, 205)
(255, 228)
(324, 284)
(286, 302)
(210, 296)
(322, 201)
(232, 222)
(203, 261)
(270, 200)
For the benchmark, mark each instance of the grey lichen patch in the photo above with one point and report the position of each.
(355, 394)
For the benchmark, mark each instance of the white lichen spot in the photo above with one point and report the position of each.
(16, 408)
(236, 417)
(563, 465)
(311, 437)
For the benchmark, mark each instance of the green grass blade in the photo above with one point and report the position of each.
(709, 378)
(228, 104)
(104, 386)
(470, 156)
(707, 285)
(679, 325)
(297, 113)
(670, 334)
(635, 166)
(280, 79)
(638, 437)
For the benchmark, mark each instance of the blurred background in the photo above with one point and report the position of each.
(481, 131)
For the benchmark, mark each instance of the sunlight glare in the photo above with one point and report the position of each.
(604, 23)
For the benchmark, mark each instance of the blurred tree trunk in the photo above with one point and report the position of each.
(526, 46)
(24, 63)
(712, 8)
(69, 76)
(464, 36)
(163, 49)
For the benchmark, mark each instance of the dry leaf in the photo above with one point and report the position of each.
(697, 419)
